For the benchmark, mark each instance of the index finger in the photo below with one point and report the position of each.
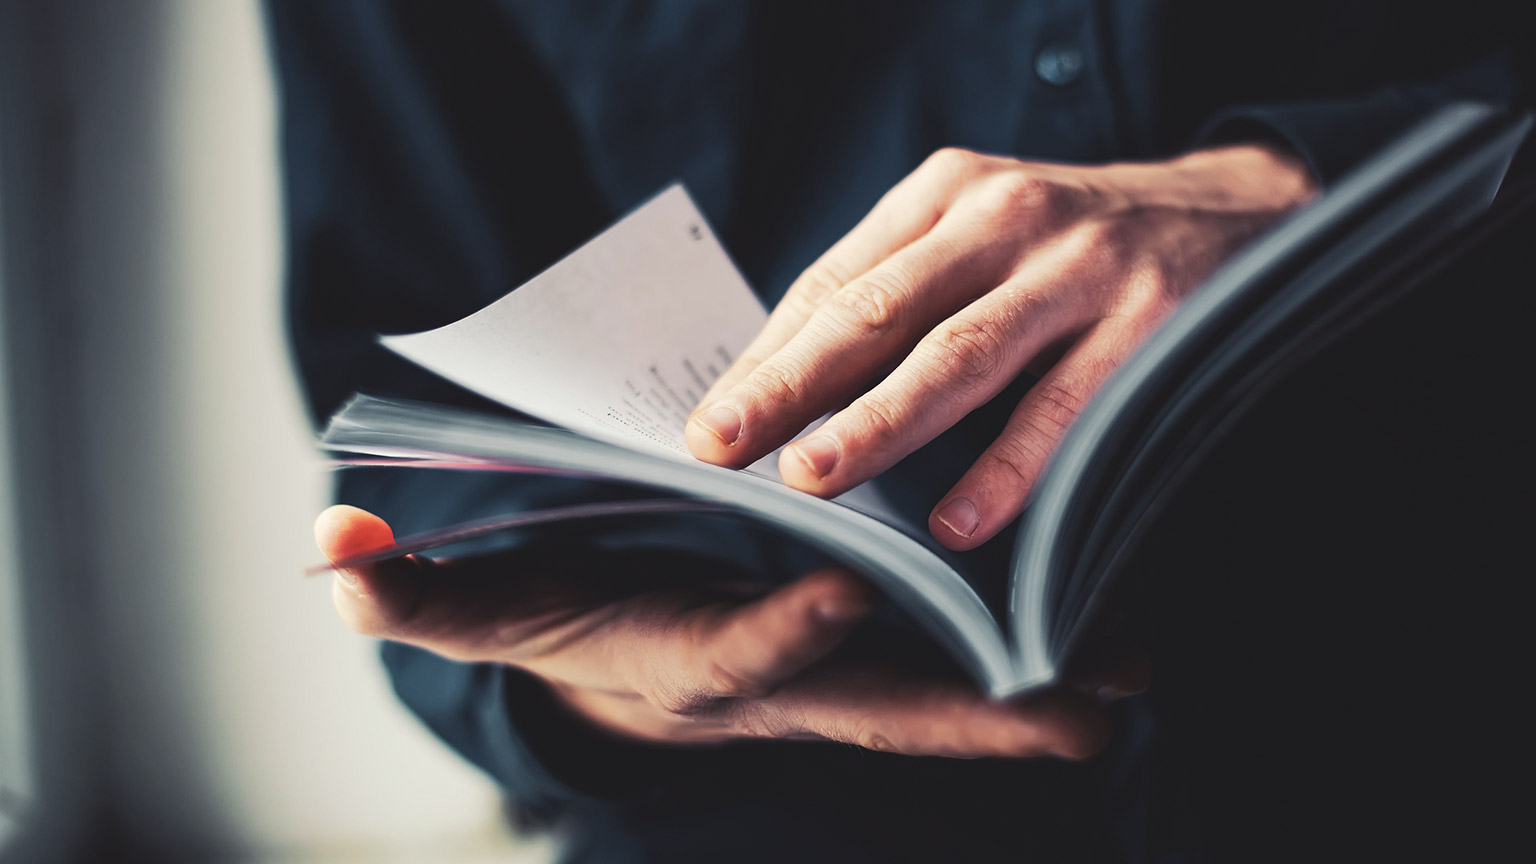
(908, 211)
(847, 342)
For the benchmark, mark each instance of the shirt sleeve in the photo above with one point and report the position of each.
(1334, 134)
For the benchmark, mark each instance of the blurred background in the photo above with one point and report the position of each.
(170, 687)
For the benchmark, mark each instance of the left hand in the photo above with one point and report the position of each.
(973, 269)
(698, 661)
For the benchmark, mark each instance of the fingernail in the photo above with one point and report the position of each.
(347, 577)
(960, 516)
(819, 453)
(723, 422)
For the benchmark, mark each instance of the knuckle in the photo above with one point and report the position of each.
(1150, 289)
(1100, 367)
(756, 719)
(1015, 460)
(1017, 196)
(878, 418)
(1056, 406)
(1108, 244)
(971, 352)
(818, 282)
(775, 384)
(870, 305)
(950, 161)
(681, 700)
(1053, 409)
(868, 734)
(726, 683)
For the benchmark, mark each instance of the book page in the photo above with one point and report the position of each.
(618, 341)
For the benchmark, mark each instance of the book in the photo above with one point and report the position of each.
(609, 350)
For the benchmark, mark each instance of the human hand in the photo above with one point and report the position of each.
(973, 269)
(678, 667)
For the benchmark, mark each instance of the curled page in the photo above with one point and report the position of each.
(618, 340)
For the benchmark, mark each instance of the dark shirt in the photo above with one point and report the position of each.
(437, 155)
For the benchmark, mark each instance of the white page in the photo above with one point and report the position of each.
(619, 340)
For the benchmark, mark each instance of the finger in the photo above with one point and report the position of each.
(856, 332)
(954, 369)
(750, 650)
(373, 598)
(908, 211)
(929, 719)
(470, 613)
(992, 492)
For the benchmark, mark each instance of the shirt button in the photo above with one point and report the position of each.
(1059, 65)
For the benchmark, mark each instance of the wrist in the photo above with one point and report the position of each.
(1256, 181)
(1260, 175)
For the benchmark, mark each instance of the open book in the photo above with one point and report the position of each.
(615, 344)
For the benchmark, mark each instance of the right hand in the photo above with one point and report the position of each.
(677, 667)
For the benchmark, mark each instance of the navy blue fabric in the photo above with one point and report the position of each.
(437, 155)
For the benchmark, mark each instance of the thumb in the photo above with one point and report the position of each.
(373, 599)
